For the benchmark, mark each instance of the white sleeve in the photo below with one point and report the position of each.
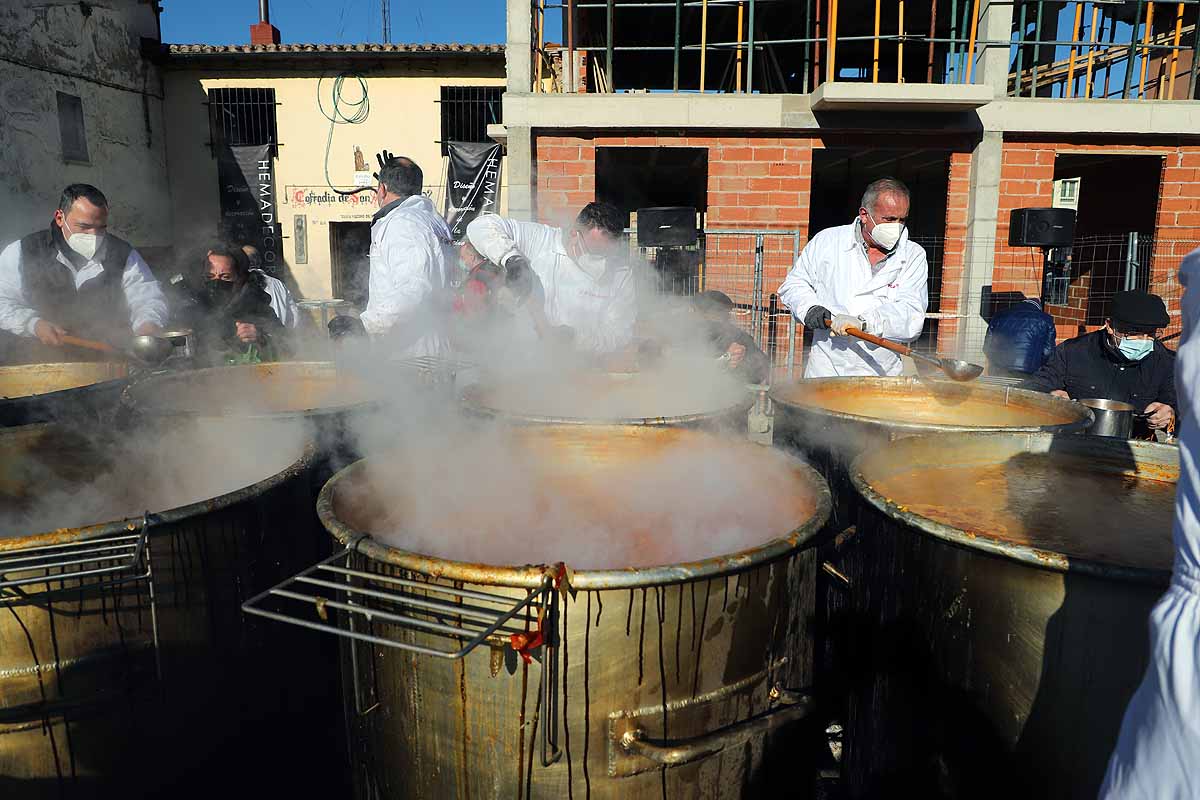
(799, 289)
(283, 303)
(147, 304)
(399, 281)
(497, 239)
(16, 315)
(903, 317)
(616, 328)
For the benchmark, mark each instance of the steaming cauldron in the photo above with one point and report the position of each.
(312, 391)
(681, 396)
(1000, 610)
(92, 616)
(650, 682)
(832, 420)
(73, 392)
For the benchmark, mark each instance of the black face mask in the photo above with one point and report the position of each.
(219, 293)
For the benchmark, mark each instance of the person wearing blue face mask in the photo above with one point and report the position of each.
(1122, 361)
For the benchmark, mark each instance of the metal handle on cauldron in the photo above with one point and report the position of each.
(674, 752)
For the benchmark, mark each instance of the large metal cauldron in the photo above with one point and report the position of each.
(122, 647)
(832, 420)
(678, 397)
(81, 392)
(327, 400)
(1001, 604)
(651, 682)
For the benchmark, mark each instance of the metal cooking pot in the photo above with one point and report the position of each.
(639, 682)
(1113, 418)
(1001, 591)
(725, 407)
(831, 421)
(84, 392)
(125, 664)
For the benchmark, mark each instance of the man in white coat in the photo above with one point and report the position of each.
(865, 275)
(1158, 751)
(410, 249)
(589, 288)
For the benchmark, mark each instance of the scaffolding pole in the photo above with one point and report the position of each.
(932, 33)
(1020, 52)
(900, 46)
(1087, 83)
(875, 48)
(831, 26)
(750, 52)
(1175, 53)
(1070, 87)
(703, 40)
(678, 42)
(1146, 50)
(971, 43)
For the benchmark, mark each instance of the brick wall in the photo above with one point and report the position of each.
(1027, 179)
(953, 256)
(753, 182)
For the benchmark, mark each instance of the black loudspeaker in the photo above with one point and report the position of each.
(666, 226)
(1041, 227)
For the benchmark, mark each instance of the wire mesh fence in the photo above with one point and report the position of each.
(750, 265)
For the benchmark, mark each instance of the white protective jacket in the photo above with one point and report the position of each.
(601, 311)
(1158, 751)
(147, 304)
(410, 254)
(282, 302)
(891, 297)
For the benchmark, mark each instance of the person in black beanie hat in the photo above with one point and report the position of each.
(1122, 361)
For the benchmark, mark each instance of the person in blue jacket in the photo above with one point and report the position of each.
(1019, 340)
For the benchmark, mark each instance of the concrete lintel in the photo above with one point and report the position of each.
(908, 97)
(1088, 117)
(498, 133)
(666, 111)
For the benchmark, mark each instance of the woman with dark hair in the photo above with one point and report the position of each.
(234, 321)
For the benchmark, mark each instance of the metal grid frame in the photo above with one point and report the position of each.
(466, 111)
(1089, 51)
(243, 115)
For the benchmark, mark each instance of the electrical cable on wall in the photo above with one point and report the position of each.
(343, 112)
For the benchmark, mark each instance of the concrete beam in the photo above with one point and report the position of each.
(906, 97)
(649, 110)
(520, 182)
(518, 55)
(1132, 117)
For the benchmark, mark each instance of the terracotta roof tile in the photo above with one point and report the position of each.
(371, 47)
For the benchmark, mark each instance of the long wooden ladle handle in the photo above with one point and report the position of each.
(886, 344)
(91, 344)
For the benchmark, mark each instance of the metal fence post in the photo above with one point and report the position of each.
(791, 357)
(756, 296)
(1131, 261)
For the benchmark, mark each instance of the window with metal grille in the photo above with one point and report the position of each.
(71, 129)
(467, 111)
(241, 116)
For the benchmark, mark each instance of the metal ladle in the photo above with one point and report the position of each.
(954, 369)
(148, 350)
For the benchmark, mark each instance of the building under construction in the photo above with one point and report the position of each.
(769, 118)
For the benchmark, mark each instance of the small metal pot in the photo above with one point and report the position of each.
(1113, 418)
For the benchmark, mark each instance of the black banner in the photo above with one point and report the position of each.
(472, 184)
(247, 189)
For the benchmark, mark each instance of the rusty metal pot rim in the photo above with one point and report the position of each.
(1042, 559)
(57, 393)
(128, 399)
(472, 406)
(1037, 399)
(113, 527)
(530, 576)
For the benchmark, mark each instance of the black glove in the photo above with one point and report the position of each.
(817, 318)
(382, 158)
(518, 276)
(342, 326)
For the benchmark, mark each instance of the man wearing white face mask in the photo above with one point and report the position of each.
(589, 288)
(1122, 361)
(866, 275)
(77, 278)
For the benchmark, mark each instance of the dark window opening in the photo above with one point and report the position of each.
(241, 116)
(643, 177)
(1116, 197)
(350, 248)
(467, 111)
(71, 128)
(841, 174)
